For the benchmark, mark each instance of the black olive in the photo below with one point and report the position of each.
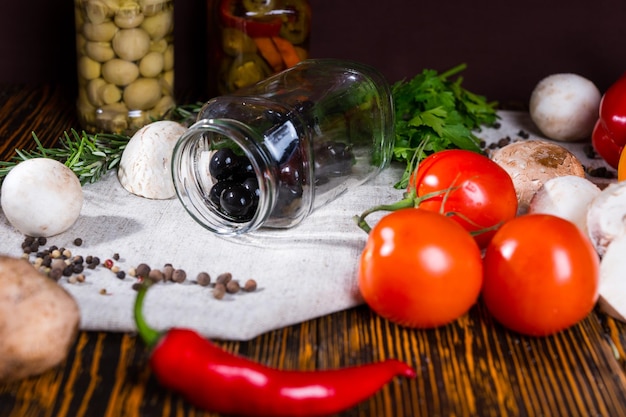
(236, 201)
(224, 163)
(216, 190)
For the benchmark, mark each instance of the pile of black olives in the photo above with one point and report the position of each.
(236, 190)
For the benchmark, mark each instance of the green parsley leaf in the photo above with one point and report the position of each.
(434, 114)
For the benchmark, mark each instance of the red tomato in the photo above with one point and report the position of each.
(420, 269)
(605, 146)
(484, 196)
(613, 111)
(541, 275)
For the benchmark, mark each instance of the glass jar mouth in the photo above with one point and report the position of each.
(193, 180)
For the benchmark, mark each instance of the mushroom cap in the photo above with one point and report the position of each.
(531, 163)
(567, 197)
(145, 167)
(565, 106)
(41, 197)
(606, 216)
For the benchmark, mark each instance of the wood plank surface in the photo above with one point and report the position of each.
(472, 367)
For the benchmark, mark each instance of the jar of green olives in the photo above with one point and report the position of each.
(268, 154)
(125, 57)
(258, 38)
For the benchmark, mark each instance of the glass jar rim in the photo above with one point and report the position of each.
(190, 156)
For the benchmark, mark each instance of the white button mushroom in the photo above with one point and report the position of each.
(145, 168)
(606, 217)
(531, 163)
(567, 197)
(41, 197)
(612, 286)
(565, 106)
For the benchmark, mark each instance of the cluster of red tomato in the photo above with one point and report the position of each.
(609, 134)
(427, 266)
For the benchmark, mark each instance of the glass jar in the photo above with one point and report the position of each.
(269, 154)
(258, 38)
(125, 57)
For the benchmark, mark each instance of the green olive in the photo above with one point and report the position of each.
(168, 58)
(99, 51)
(159, 25)
(151, 65)
(120, 72)
(131, 44)
(142, 94)
(88, 68)
(93, 91)
(100, 32)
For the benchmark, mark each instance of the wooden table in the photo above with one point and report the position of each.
(473, 367)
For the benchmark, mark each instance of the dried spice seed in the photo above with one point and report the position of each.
(116, 256)
(80, 278)
(115, 269)
(156, 275)
(223, 278)
(250, 285)
(179, 275)
(67, 253)
(168, 272)
(132, 272)
(77, 268)
(78, 241)
(219, 291)
(68, 270)
(203, 279)
(232, 287)
(121, 274)
(108, 264)
(55, 274)
(142, 270)
(103, 291)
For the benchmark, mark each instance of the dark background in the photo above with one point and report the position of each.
(508, 46)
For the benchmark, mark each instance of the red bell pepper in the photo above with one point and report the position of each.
(253, 28)
(218, 381)
(609, 135)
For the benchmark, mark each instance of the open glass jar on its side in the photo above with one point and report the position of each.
(269, 154)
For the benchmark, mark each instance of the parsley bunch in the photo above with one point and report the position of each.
(433, 114)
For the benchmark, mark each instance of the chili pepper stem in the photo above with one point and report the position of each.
(149, 335)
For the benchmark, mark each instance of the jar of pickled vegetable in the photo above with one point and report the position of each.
(258, 38)
(269, 154)
(125, 57)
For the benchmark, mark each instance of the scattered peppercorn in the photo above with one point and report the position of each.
(142, 270)
(232, 286)
(203, 279)
(179, 275)
(219, 291)
(108, 264)
(250, 285)
(78, 241)
(55, 274)
(156, 275)
(168, 272)
(223, 278)
(121, 274)
(116, 256)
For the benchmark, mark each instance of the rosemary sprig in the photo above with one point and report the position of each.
(89, 156)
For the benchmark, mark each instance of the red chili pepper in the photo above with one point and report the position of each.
(218, 381)
(253, 28)
(609, 135)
